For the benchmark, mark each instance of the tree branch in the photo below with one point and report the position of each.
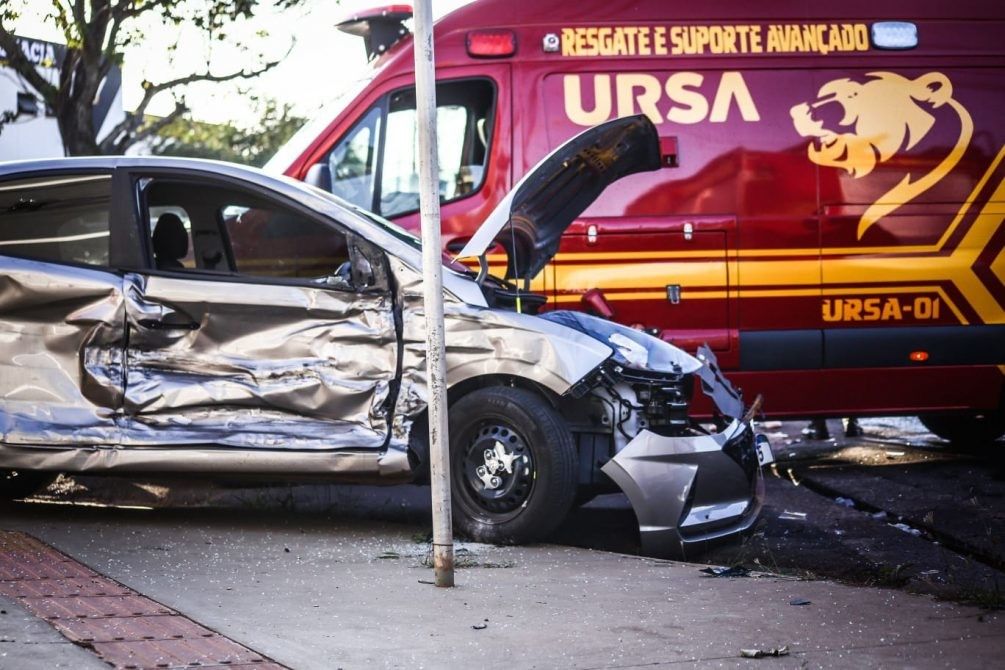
(63, 20)
(154, 89)
(131, 9)
(155, 127)
(78, 12)
(123, 134)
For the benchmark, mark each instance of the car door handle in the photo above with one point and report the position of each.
(157, 324)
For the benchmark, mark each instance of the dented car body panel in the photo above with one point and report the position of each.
(61, 346)
(256, 365)
(225, 322)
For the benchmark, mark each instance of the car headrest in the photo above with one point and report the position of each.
(170, 238)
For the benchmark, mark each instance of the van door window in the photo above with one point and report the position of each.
(352, 162)
(463, 122)
(464, 117)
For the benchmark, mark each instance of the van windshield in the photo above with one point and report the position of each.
(313, 129)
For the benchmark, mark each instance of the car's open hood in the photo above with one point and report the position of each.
(559, 188)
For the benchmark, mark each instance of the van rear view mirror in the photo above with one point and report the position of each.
(320, 175)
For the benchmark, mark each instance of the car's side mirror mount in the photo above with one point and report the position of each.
(362, 271)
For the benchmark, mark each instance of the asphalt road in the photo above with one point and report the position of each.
(895, 508)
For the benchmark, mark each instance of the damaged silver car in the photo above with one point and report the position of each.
(184, 317)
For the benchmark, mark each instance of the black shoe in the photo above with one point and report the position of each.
(817, 430)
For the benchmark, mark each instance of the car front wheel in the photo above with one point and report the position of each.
(513, 466)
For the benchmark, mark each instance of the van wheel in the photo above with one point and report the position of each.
(512, 466)
(16, 484)
(967, 429)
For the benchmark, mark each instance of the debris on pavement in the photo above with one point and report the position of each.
(844, 502)
(765, 653)
(480, 626)
(721, 571)
(907, 529)
(800, 601)
(792, 516)
(390, 554)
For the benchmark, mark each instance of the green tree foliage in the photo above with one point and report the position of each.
(252, 145)
(96, 33)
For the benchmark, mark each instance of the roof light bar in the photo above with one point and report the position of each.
(894, 35)
(491, 43)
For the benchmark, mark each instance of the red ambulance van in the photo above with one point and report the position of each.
(832, 224)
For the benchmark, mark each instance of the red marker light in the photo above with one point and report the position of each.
(919, 356)
(491, 43)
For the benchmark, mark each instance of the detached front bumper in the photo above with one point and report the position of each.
(690, 491)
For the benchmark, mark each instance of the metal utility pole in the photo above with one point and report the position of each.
(432, 293)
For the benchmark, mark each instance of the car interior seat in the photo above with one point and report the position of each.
(170, 242)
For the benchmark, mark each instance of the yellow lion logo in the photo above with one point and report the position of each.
(881, 117)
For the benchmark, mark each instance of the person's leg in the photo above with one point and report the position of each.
(817, 430)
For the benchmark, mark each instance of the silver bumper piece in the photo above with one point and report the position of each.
(689, 491)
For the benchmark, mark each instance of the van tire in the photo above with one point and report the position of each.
(971, 429)
(527, 502)
(16, 484)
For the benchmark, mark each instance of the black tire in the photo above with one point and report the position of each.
(972, 429)
(16, 484)
(531, 498)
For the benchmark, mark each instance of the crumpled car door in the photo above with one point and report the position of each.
(61, 307)
(257, 365)
(61, 342)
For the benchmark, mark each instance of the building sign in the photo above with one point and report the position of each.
(38, 52)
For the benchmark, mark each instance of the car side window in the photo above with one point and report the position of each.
(201, 227)
(57, 218)
(464, 116)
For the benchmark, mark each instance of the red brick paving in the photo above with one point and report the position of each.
(125, 629)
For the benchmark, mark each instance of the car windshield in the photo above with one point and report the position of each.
(390, 227)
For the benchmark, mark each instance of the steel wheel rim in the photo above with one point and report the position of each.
(514, 485)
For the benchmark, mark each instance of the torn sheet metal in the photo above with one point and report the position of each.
(61, 343)
(633, 348)
(689, 490)
(261, 366)
(714, 384)
(482, 341)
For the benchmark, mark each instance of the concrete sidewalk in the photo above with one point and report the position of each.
(313, 592)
